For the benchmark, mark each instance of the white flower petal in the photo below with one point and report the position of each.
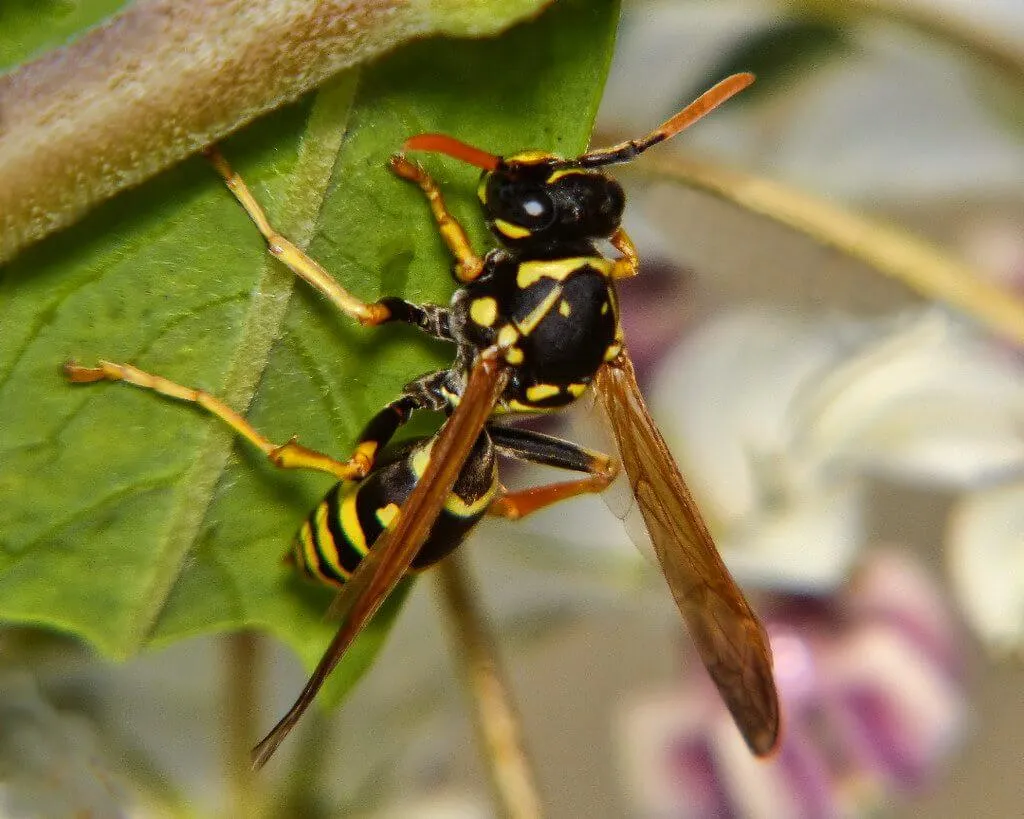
(807, 546)
(724, 399)
(986, 563)
(929, 402)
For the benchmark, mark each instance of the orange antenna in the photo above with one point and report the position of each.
(443, 144)
(704, 104)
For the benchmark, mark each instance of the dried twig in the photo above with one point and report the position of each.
(913, 261)
(496, 717)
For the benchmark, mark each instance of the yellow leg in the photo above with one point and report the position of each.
(296, 260)
(468, 266)
(515, 505)
(290, 455)
(629, 264)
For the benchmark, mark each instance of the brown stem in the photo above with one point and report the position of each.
(912, 261)
(242, 666)
(166, 78)
(496, 718)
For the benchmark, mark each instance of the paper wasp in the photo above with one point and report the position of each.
(535, 324)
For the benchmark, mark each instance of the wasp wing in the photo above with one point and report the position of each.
(730, 639)
(389, 558)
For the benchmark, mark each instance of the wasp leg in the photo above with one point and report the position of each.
(382, 428)
(290, 455)
(468, 266)
(629, 264)
(431, 391)
(430, 318)
(543, 449)
(306, 268)
(516, 505)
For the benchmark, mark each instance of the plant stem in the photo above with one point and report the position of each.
(496, 718)
(242, 665)
(72, 134)
(940, 25)
(912, 261)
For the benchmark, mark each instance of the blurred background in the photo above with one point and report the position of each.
(857, 445)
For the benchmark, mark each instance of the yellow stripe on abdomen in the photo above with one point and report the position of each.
(350, 523)
(305, 551)
(328, 548)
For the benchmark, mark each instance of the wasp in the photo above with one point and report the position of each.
(535, 324)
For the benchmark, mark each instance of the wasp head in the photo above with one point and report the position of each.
(540, 200)
(536, 199)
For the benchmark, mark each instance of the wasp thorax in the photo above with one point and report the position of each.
(539, 201)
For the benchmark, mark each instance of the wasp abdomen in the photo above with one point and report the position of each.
(337, 535)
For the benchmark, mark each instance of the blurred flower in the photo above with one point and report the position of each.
(780, 420)
(872, 689)
(986, 536)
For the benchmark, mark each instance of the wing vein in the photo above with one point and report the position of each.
(729, 637)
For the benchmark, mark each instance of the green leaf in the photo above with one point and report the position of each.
(31, 26)
(134, 520)
(125, 101)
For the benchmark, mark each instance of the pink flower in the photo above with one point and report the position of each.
(872, 684)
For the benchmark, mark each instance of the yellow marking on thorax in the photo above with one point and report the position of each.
(556, 175)
(537, 314)
(576, 390)
(613, 300)
(514, 356)
(481, 190)
(531, 157)
(530, 273)
(350, 523)
(510, 230)
(565, 308)
(483, 311)
(328, 548)
(507, 336)
(538, 392)
(613, 351)
(386, 514)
